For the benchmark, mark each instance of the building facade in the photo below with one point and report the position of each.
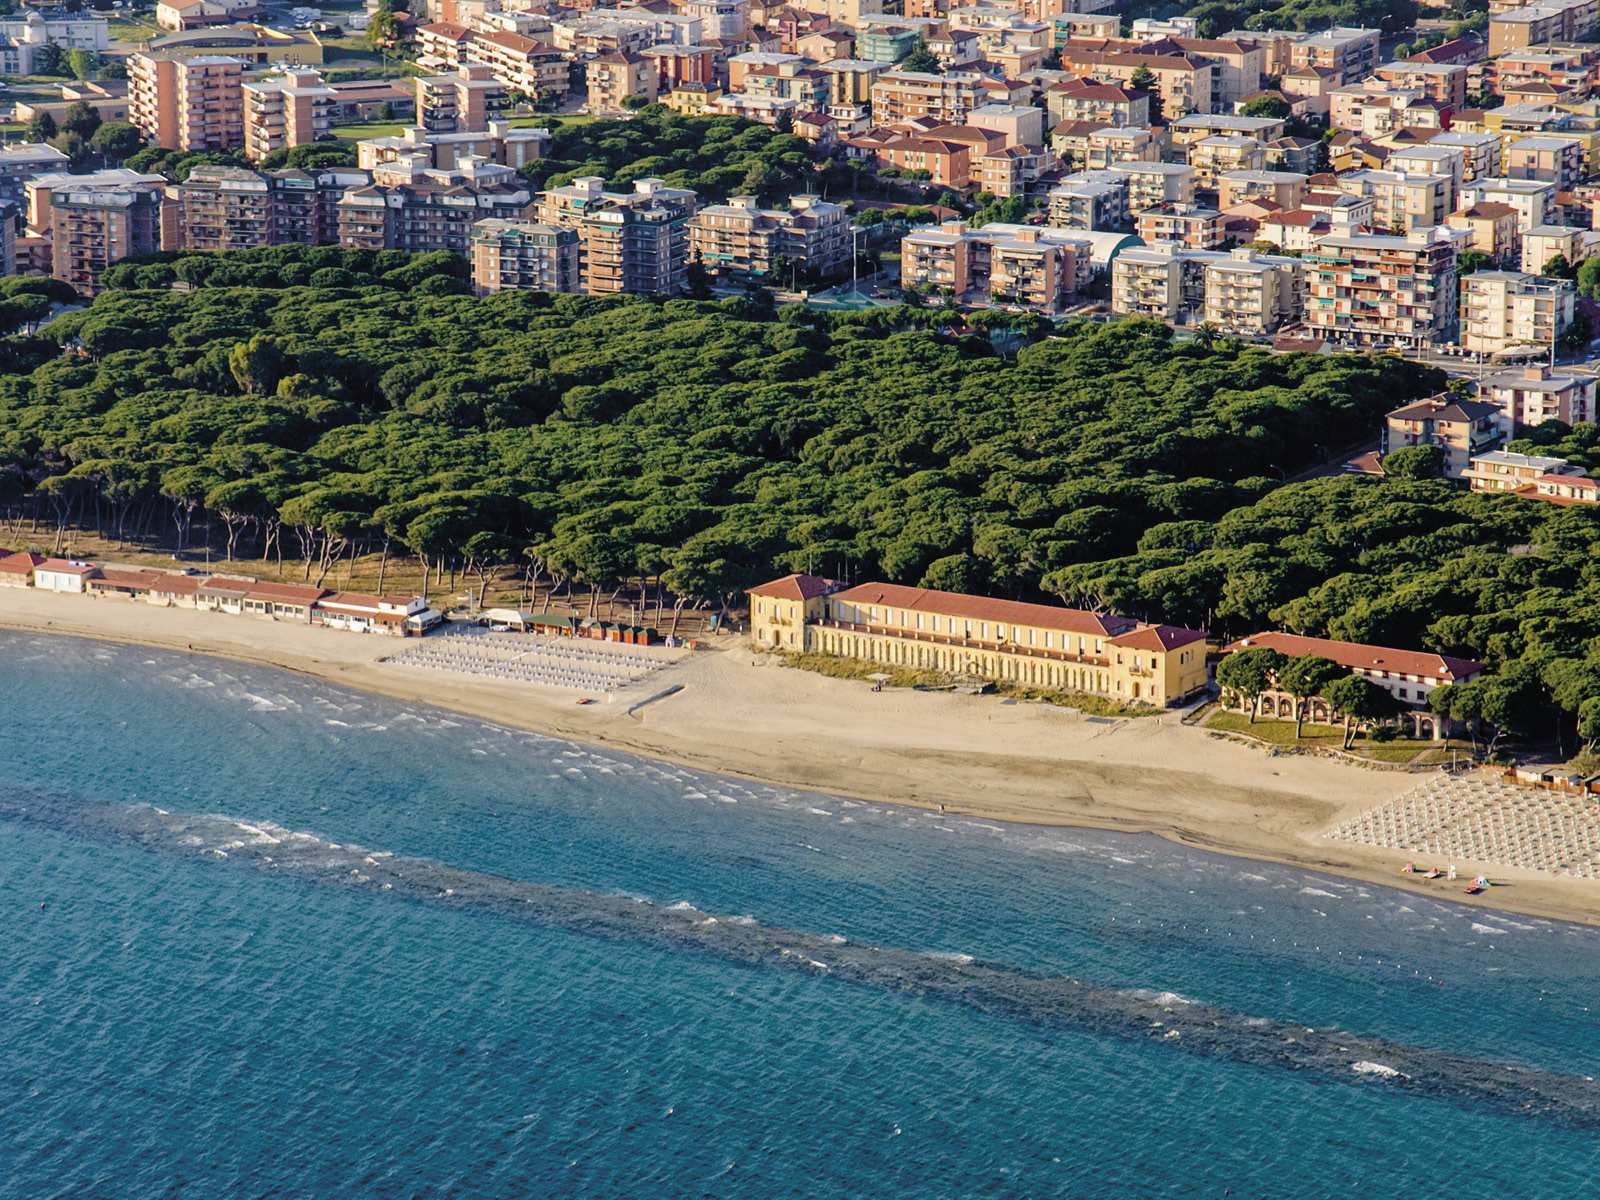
(184, 103)
(630, 242)
(1502, 310)
(743, 240)
(1378, 290)
(523, 254)
(294, 110)
(1031, 644)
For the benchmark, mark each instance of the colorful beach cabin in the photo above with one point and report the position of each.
(16, 570)
(64, 575)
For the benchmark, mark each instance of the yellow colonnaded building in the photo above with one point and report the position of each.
(1031, 644)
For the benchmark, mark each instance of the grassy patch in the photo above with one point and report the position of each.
(1096, 706)
(132, 29)
(369, 129)
(860, 668)
(1279, 733)
(1389, 752)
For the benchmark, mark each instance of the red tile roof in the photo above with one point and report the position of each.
(796, 587)
(985, 608)
(1368, 658)
(112, 577)
(21, 563)
(1159, 638)
(64, 566)
(285, 592)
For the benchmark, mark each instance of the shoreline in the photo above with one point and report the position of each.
(979, 756)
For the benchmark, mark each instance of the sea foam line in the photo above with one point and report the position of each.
(1046, 1001)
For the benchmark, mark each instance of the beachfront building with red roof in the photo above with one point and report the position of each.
(16, 570)
(1038, 645)
(1407, 675)
(361, 613)
(64, 575)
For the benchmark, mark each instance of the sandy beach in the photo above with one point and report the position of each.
(739, 712)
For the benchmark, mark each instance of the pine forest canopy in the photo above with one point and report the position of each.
(300, 396)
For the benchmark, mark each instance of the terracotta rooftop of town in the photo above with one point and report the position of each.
(1371, 658)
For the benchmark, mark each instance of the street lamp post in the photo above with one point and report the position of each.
(855, 259)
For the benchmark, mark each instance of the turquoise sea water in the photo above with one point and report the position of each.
(267, 937)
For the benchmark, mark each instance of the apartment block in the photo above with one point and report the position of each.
(232, 208)
(295, 110)
(1354, 53)
(1253, 293)
(1106, 146)
(1543, 242)
(1286, 189)
(1165, 281)
(630, 242)
(1401, 201)
(1502, 471)
(305, 204)
(1149, 184)
(1095, 200)
(614, 77)
(193, 104)
(743, 240)
(904, 95)
(1238, 66)
(1022, 124)
(1533, 395)
(462, 101)
(851, 80)
(1535, 24)
(1084, 100)
(1374, 289)
(95, 221)
(1445, 83)
(1184, 225)
(1198, 126)
(1480, 153)
(443, 44)
(1429, 159)
(218, 208)
(524, 63)
(1505, 309)
(523, 254)
(1463, 429)
(24, 161)
(1215, 156)
(428, 210)
(1034, 268)
(1533, 199)
(1554, 160)
(499, 143)
(1024, 265)
(1184, 81)
(1494, 230)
